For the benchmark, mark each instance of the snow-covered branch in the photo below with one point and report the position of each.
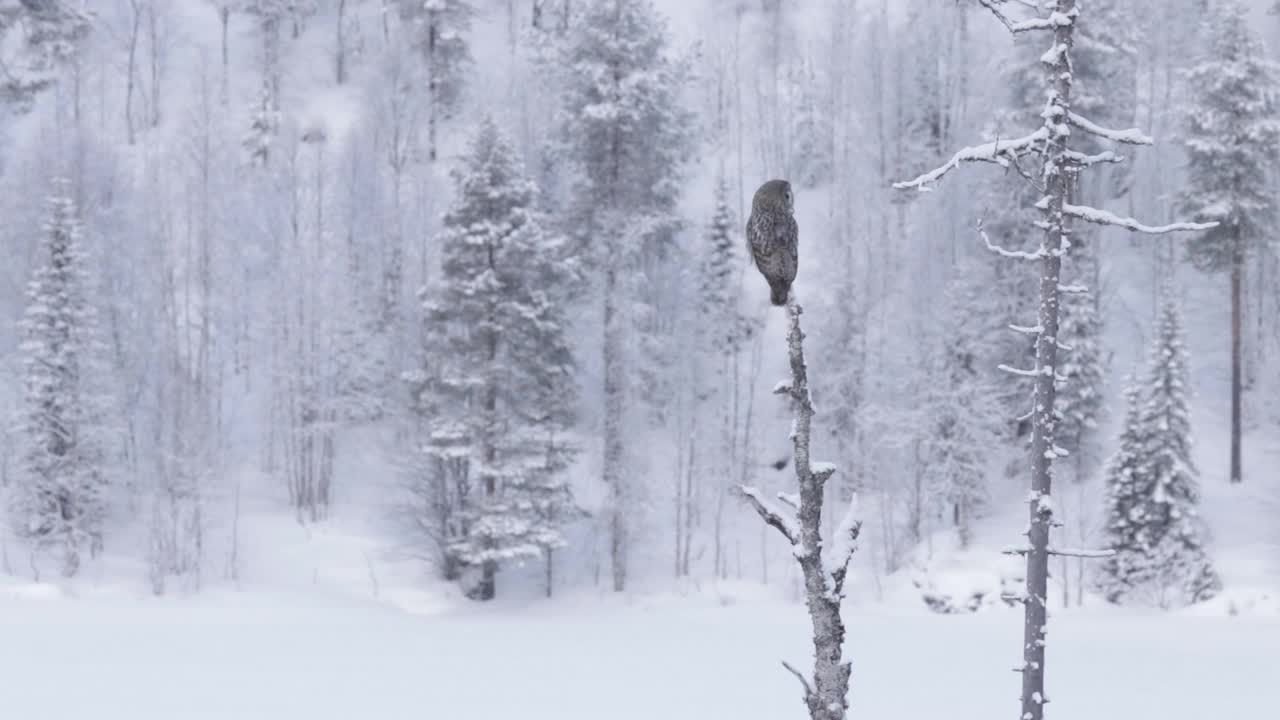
(1132, 136)
(1075, 552)
(1000, 152)
(1016, 26)
(1015, 254)
(1079, 160)
(1103, 217)
(844, 544)
(772, 514)
(1063, 552)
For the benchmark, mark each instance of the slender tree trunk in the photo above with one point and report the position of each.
(613, 442)
(1043, 421)
(224, 18)
(340, 60)
(826, 691)
(1237, 280)
(550, 577)
(131, 69)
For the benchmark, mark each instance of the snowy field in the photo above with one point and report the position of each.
(250, 656)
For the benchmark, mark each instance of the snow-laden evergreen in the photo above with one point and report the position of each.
(1232, 139)
(1153, 522)
(964, 419)
(1083, 366)
(60, 501)
(1233, 145)
(497, 388)
(35, 39)
(625, 135)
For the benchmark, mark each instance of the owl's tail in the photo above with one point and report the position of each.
(778, 292)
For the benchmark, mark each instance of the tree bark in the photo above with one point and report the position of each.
(1237, 280)
(1043, 422)
(613, 441)
(825, 694)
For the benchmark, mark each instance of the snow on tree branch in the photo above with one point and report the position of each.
(772, 515)
(1015, 254)
(1002, 153)
(1103, 217)
(1016, 26)
(1132, 136)
(844, 544)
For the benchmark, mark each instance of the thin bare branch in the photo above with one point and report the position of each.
(808, 690)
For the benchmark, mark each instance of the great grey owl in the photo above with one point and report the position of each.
(773, 236)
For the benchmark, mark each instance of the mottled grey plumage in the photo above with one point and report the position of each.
(773, 237)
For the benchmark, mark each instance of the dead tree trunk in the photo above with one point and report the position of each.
(800, 522)
(1058, 171)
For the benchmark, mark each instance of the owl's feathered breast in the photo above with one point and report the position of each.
(772, 237)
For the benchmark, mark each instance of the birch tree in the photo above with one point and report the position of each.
(1059, 165)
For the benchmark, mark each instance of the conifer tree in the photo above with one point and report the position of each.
(1233, 144)
(963, 417)
(626, 134)
(1153, 491)
(59, 502)
(499, 392)
(35, 38)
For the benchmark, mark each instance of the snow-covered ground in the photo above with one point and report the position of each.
(245, 656)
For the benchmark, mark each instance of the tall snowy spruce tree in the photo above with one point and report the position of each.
(1152, 489)
(1233, 144)
(35, 38)
(59, 500)
(1059, 158)
(497, 390)
(624, 131)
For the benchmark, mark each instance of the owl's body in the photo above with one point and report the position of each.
(773, 238)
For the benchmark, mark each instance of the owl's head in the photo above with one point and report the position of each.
(774, 195)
